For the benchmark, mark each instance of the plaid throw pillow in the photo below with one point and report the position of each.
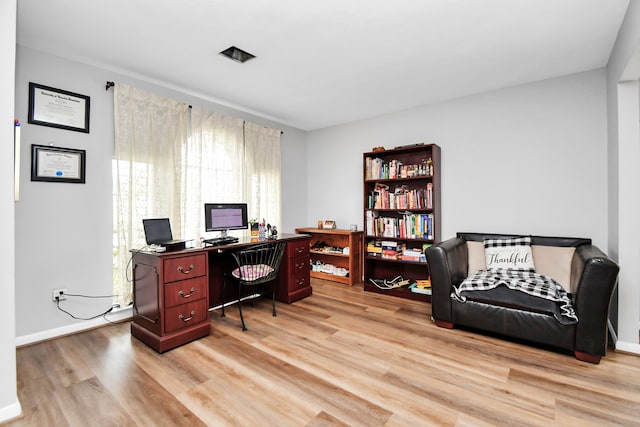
(513, 254)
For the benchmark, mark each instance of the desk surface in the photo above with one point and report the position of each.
(244, 241)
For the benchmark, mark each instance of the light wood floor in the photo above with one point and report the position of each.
(339, 357)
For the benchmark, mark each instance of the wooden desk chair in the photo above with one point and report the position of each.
(255, 265)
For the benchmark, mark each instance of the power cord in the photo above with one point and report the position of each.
(126, 270)
(103, 314)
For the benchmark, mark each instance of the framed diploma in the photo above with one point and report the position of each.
(56, 164)
(58, 108)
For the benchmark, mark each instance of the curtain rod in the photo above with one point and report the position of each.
(112, 84)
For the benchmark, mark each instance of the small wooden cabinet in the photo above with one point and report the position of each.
(327, 247)
(171, 298)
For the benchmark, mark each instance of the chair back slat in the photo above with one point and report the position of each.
(259, 263)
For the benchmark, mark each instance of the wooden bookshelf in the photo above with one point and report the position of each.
(350, 261)
(401, 213)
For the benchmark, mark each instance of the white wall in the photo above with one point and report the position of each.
(529, 159)
(9, 404)
(64, 231)
(623, 72)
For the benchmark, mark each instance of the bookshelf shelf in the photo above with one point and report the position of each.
(375, 258)
(330, 254)
(401, 214)
(351, 261)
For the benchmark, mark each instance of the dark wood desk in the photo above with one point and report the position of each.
(173, 291)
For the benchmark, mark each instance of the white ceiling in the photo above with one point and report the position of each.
(322, 63)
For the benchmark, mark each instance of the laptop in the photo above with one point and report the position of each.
(157, 231)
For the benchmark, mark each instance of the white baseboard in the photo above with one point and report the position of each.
(628, 347)
(10, 412)
(114, 316)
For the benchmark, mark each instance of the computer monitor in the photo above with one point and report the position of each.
(225, 216)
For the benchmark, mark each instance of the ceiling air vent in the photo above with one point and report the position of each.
(237, 55)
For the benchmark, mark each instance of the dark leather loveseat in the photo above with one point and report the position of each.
(590, 278)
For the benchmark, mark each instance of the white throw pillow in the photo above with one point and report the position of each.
(515, 253)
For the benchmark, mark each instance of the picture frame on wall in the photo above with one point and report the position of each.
(57, 164)
(58, 108)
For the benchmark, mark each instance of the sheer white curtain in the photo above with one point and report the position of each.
(169, 162)
(262, 176)
(214, 161)
(149, 134)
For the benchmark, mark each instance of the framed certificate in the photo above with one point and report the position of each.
(56, 164)
(58, 108)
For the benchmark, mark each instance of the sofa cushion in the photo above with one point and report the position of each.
(513, 254)
(552, 261)
(476, 257)
(509, 298)
(555, 262)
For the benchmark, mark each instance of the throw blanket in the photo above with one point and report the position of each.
(528, 282)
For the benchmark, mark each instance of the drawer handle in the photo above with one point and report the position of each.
(186, 319)
(300, 265)
(301, 281)
(181, 293)
(299, 250)
(183, 271)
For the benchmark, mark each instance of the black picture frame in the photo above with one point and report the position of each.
(57, 164)
(58, 108)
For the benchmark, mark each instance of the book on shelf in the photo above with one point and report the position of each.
(401, 197)
(386, 249)
(407, 226)
(423, 283)
(374, 248)
(391, 249)
(413, 255)
(416, 288)
(377, 168)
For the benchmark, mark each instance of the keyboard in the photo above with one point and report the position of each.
(216, 241)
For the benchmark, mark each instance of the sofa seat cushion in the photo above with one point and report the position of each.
(508, 298)
(520, 324)
(518, 289)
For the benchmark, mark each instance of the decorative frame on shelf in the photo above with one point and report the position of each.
(329, 225)
(57, 164)
(58, 108)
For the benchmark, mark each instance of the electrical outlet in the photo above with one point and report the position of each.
(59, 294)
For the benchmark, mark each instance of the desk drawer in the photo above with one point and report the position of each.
(184, 267)
(298, 273)
(297, 247)
(185, 291)
(185, 315)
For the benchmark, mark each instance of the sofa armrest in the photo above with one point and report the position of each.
(448, 265)
(594, 276)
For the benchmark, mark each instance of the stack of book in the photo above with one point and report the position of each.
(374, 248)
(387, 249)
(421, 287)
(391, 249)
(413, 255)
